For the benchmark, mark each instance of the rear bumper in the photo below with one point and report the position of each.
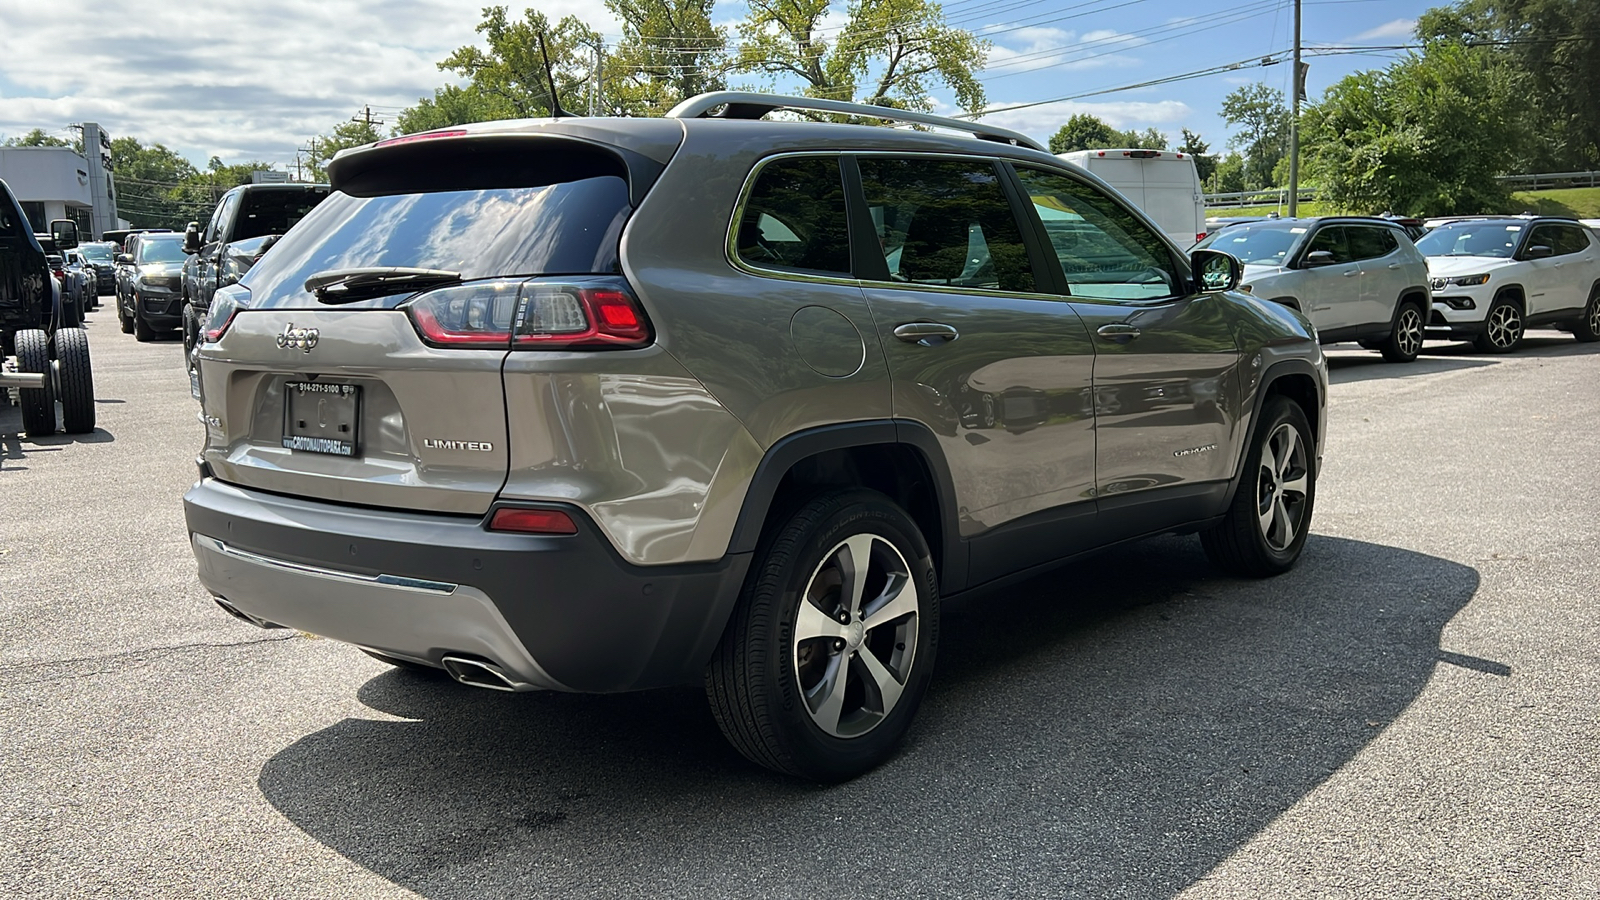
(563, 613)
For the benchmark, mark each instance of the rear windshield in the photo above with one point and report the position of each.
(97, 252)
(165, 250)
(274, 211)
(1265, 245)
(1472, 239)
(568, 228)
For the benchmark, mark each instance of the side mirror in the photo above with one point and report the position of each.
(1215, 270)
(191, 238)
(1537, 251)
(124, 259)
(64, 232)
(1319, 258)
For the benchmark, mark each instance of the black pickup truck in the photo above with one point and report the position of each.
(247, 222)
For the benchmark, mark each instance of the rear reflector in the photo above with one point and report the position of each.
(532, 521)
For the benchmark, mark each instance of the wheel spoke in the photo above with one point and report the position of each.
(1266, 516)
(902, 601)
(1290, 439)
(827, 698)
(1280, 521)
(888, 687)
(1269, 461)
(1295, 485)
(814, 623)
(859, 552)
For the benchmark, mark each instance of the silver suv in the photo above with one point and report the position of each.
(610, 404)
(1357, 279)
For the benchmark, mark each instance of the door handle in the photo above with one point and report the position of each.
(1118, 332)
(1352, 273)
(1394, 265)
(927, 334)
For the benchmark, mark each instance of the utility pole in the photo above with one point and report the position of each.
(1294, 121)
(366, 115)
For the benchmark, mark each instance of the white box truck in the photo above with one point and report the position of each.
(1163, 184)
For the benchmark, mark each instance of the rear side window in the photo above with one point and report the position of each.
(945, 222)
(1368, 242)
(795, 218)
(564, 228)
(1571, 240)
(274, 211)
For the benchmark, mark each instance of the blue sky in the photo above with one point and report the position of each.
(255, 81)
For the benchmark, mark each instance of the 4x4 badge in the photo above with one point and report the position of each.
(294, 338)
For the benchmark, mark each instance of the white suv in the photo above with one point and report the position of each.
(1494, 277)
(1356, 279)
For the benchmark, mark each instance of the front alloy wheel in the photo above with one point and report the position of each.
(1502, 328)
(1265, 526)
(1281, 487)
(1587, 329)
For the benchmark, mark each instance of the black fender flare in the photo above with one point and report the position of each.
(1275, 372)
(789, 450)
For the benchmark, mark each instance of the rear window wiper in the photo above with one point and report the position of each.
(349, 285)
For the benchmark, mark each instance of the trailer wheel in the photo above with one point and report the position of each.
(38, 404)
(75, 381)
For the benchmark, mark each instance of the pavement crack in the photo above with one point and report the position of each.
(121, 661)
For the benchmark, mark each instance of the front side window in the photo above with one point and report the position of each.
(1105, 251)
(1330, 240)
(945, 222)
(795, 218)
(1545, 236)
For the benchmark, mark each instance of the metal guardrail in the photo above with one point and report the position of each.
(1552, 179)
(1257, 198)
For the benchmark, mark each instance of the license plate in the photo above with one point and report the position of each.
(321, 417)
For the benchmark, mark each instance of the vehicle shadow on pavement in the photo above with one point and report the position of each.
(1116, 728)
(1343, 369)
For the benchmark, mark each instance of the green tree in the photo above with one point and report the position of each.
(1552, 52)
(669, 51)
(1083, 132)
(1197, 148)
(38, 138)
(148, 184)
(352, 133)
(1263, 134)
(1148, 139)
(451, 105)
(889, 53)
(1427, 135)
(1229, 175)
(511, 69)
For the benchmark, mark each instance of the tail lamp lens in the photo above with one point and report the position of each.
(225, 306)
(532, 521)
(530, 315)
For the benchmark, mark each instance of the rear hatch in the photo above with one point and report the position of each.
(360, 360)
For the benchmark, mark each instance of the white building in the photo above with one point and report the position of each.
(57, 183)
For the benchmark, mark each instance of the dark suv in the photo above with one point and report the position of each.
(608, 404)
(152, 299)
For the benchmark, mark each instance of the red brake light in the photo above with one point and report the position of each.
(533, 521)
(530, 315)
(424, 136)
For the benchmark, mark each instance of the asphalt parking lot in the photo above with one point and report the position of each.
(1410, 713)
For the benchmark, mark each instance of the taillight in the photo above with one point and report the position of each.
(532, 521)
(225, 306)
(531, 315)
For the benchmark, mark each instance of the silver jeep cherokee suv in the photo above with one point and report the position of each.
(610, 404)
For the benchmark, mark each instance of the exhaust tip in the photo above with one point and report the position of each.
(241, 615)
(483, 674)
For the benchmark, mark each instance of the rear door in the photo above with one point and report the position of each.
(371, 401)
(1384, 275)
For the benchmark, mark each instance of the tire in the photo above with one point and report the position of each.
(1405, 338)
(74, 381)
(122, 317)
(142, 332)
(406, 664)
(38, 404)
(71, 312)
(1502, 327)
(769, 681)
(1285, 483)
(191, 336)
(1587, 329)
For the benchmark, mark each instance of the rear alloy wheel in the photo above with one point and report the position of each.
(1405, 341)
(74, 381)
(1267, 522)
(831, 646)
(1502, 328)
(1587, 329)
(38, 404)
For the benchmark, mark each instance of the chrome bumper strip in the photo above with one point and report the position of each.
(397, 582)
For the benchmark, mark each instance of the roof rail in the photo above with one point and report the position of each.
(748, 105)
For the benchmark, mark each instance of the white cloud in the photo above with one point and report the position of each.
(1399, 28)
(235, 80)
(1041, 122)
(1035, 48)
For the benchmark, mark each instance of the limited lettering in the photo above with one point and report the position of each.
(480, 446)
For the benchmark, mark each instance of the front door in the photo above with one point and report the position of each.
(1165, 360)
